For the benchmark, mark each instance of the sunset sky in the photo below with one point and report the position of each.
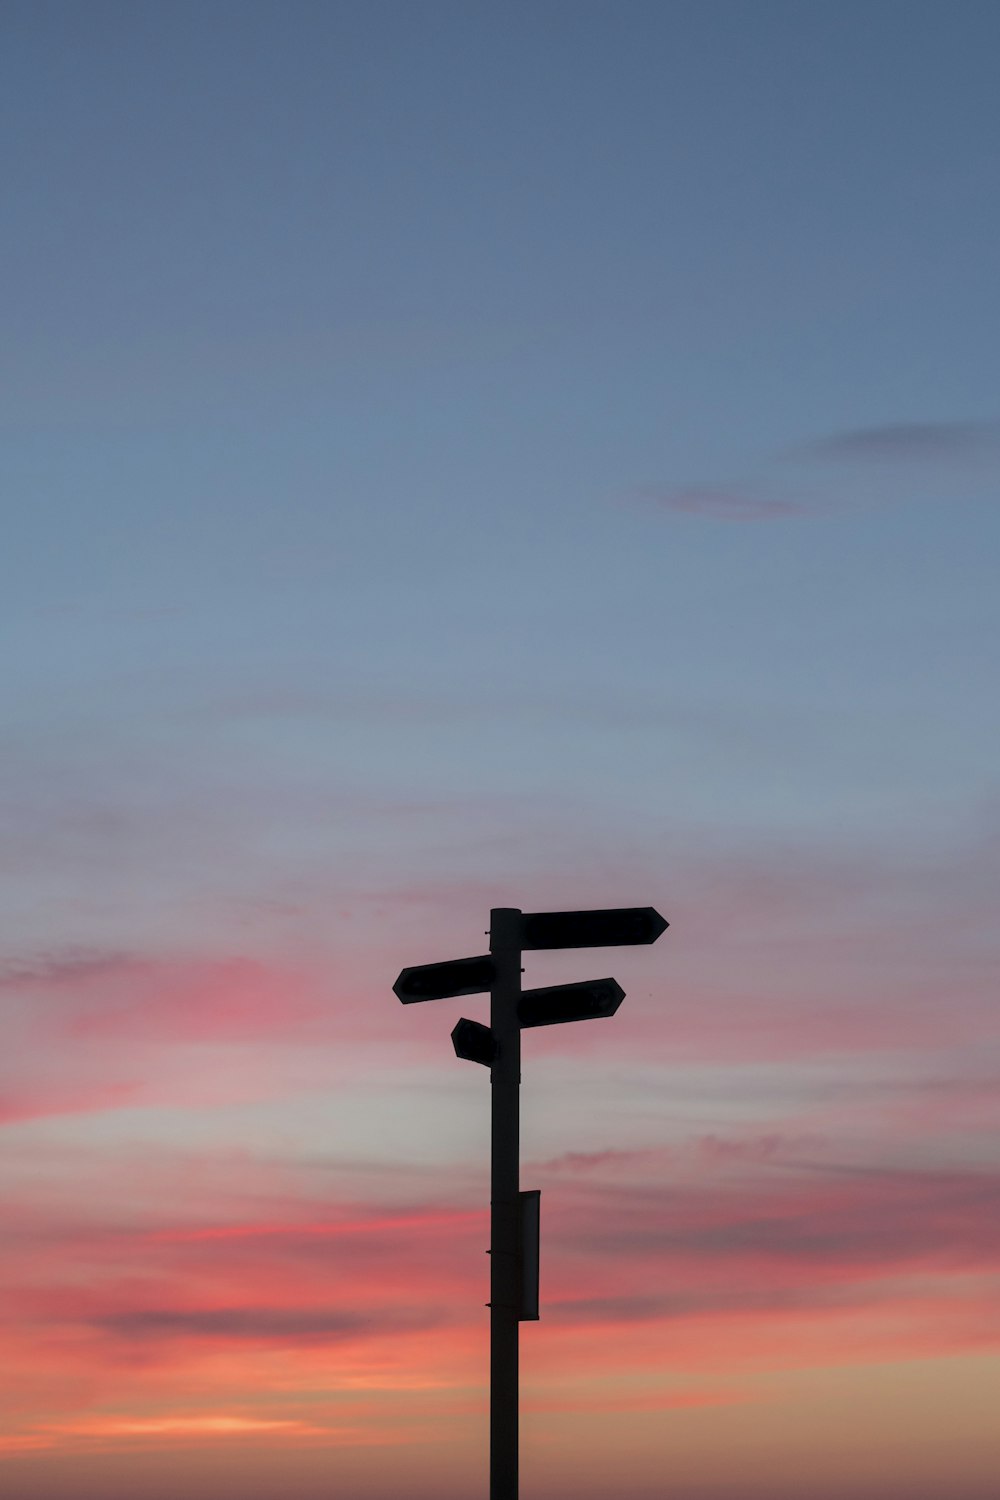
(469, 454)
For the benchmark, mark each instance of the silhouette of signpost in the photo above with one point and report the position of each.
(514, 1215)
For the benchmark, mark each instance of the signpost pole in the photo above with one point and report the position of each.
(505, 1209)
(513, 1215)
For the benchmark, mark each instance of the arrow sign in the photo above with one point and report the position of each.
(612, 927)
(459, 976)
(570, 1002)
(474, 1042)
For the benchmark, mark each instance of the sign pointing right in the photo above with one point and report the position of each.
(610, 927)
(569, 1002)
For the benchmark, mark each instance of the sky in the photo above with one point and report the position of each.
(460, 455)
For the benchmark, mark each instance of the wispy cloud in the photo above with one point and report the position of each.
(200, 1425)
(903, 442)
(50, 1099)
(90, 993)
(90, 1031)
(130, 1429)
(736, 1229)
(816, 1226)
(863, 455)
(743, 1244)
(725, 503)
(281, 1324)
(65, 967)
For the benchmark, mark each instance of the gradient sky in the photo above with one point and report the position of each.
(457, 455)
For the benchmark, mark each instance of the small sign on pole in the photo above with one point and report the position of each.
(530, 1201)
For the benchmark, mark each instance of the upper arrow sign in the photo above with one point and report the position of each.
(611, 927)
(459, 976)
(570, 1002)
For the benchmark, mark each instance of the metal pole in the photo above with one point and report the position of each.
(505, 1268)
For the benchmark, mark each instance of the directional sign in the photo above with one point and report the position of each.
(474, 1042)
(611, 927)
(459, 976)
(569, 1002)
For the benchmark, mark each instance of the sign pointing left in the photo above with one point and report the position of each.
(458, 976)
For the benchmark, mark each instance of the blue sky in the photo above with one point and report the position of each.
(460, 454)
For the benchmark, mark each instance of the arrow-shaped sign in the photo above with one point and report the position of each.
(569, 1002)
(458, 976)
(474, 1042)
(610, 927)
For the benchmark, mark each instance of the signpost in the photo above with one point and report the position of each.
(514, 1215)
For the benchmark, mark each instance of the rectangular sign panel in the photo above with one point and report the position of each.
(458, 976)
(530, 1204)
(611, 927)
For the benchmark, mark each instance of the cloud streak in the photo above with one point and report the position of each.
(865, 454)
(739, 1225)
(905, 442)
(725, 503)
(66, 968)
(262, 1324)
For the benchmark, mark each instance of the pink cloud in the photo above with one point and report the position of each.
(195, 1000)
(726, 1248)
(19, 1102)
(722, 1255)
(726, 504)
(759, 1231)
(791, 1233)
(379, 1225)
(93, 1032)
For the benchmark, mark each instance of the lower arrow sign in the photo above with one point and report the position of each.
(474, 1041)
(570, 1002)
